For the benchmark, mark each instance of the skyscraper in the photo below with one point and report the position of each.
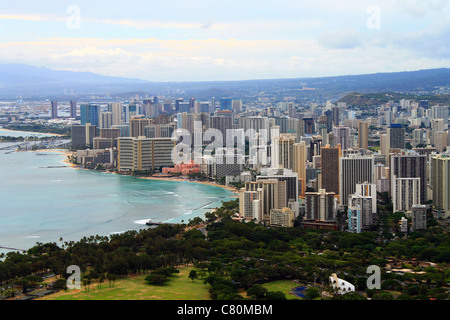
(320, 206)
(116, 109)
(226, 104)
(335, 111)
(300, 158)
(405, 193)
(354, 169)
(137, 126)
(90, 114)
(330, 168)
(342, 134)
(54, 111)
(411, 166)
(73, 109)
(440, 180)
(286, 151)
(396, 136)
(105, 120)
(363, 134)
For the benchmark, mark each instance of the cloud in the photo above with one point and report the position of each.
(420, 8)
(340, 39)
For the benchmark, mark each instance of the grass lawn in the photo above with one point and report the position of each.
(180, 287)
(284, 286)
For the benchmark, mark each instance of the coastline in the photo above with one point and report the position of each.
(67, 153)
(32, 132)
(234, 190)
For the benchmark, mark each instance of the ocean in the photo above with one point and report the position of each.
(43, 200)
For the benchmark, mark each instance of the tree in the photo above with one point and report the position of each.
(257, 291)
(193, 275)
(156, 279)
(312, 293)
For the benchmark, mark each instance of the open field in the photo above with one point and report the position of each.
(180, 287)
(284, 286)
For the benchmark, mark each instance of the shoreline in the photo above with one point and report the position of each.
(48, 134)
(67, 153)
(234, 190)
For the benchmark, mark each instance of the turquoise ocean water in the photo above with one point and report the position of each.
(43, 200)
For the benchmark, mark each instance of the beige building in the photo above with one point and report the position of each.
(137, 126)
(363, 134)
(300, 156)
(440, 181)
(143, 153)
(283, 217)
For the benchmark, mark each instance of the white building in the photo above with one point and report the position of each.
(405, 193)
(341, 286)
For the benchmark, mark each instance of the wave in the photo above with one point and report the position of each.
(143, 221)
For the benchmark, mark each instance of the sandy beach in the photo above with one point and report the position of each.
(180, 179)
(234, 190)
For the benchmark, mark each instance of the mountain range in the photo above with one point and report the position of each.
(27, 81)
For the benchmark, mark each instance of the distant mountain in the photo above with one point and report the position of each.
(24, 80)
(370, 99)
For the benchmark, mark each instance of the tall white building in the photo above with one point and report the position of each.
(405, 193)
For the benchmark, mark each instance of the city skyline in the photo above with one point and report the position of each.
(202, 41)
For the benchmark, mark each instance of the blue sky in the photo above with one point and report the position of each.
(195, 40)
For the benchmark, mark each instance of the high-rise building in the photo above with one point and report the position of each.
(251, 204)
(221, 123)
(137, 126)
(116, 109)
(335, 111)
(363, 134)
(283, 175)
(418, 217)
(364, 214)
(342, 135)
(273, 195)
(405, 193)
(354, 169)
(329, 115)
(320, 206)
(411, 166)
(90, 114)
(237, 106)
(396, 136)
(286, 151)
(54, 111)
(309, 125)
(440, 181)
(354, 219)
(83, 135)
(300, 159)
(73, 109)
(106, 120)
(143, 153)
(226, 104)
(330, 168)
(159, 130)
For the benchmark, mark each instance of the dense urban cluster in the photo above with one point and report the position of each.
(322, 189)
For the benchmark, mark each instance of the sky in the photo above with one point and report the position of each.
(200, 40)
